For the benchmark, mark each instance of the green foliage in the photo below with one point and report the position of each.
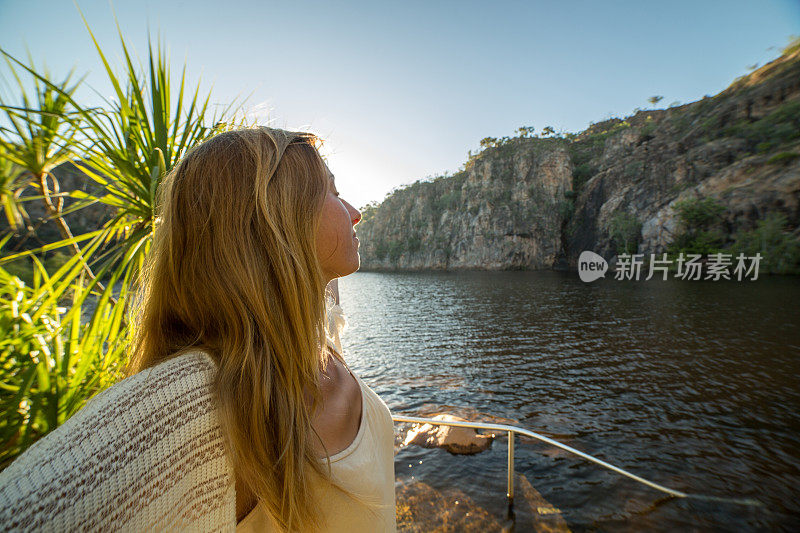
(42, 134)
(24, 267)
(12, 183)
(414, 243)
(699, 242)
(699, 214)
(525, 131)
(127, 147)
(368, 213)
(782, 158)
(763, 135)
(793, 45)
(448, 201)
(500, 195)
(522, 215)
(138, 140)
(381, 249)
(50, 362)
(43, 129)
(394, 250)
(648, 129)
(701, 223)
(632, 170)
(566, 208)
(52, 358)
(704, 234)
(488, 142)
(779, 249)
(682, 120)
(625, 229)
(588, 147)
(678, 187)
(598, 137)
(581, 174)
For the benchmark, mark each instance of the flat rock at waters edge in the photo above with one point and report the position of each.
(456, 440)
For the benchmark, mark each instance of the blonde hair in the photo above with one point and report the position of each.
(234, 272)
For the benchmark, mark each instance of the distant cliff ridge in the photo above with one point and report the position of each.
(536, 203)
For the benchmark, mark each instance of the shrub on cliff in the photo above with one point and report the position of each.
(779, 127)
(779, 249)
(699, 214)
(581, 174)
(701, 226)
(449, 200)
(625, 229)
(783, 158)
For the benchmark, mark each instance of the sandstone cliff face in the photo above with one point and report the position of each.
(505, 211)
(532, 203)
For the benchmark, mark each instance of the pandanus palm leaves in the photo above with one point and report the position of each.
(127, 147)
(39, 137)
(12, 183)
(131, 146)
(52, 359)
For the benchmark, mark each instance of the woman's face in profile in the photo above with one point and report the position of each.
(337, 245)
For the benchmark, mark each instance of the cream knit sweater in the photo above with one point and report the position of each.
(145, 455)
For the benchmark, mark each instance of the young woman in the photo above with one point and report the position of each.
(239, 414)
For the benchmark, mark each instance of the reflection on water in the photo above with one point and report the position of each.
(694, 385)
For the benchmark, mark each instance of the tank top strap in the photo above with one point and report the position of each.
(339, 356)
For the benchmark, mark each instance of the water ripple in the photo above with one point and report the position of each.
(693, 385)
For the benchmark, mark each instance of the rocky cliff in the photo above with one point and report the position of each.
(532, 203)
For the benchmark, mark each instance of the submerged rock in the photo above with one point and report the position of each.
(422, 508)
(531, 506)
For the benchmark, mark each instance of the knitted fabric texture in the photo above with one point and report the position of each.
(146, 454)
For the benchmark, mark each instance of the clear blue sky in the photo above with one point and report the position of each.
(403, 90)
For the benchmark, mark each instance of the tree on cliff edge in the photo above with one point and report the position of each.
(654, 100)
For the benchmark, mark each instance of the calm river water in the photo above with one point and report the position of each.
(694, 385)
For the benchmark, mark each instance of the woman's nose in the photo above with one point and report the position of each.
(355, 214)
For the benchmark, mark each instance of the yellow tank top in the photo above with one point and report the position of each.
(365, 467)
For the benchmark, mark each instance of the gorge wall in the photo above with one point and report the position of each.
(534, 203)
